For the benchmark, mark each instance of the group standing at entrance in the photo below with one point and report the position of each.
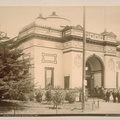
(107, 94)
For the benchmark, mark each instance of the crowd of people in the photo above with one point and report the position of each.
(107, 94)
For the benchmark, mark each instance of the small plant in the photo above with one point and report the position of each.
(22, 97)
(31, 96)
(49, 95)
(38, 96)
(70, 96)
(58, 97)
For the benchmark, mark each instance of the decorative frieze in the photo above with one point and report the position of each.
(67, 44)
(75, 44)
(27, 44)
(94, 48)
(40, 42)
(59, 45)
(110, 49)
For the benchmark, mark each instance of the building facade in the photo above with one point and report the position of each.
(56, 51)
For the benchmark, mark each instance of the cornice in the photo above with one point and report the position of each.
(72, 51)
(110, 55)
(78, 38)
(88, 40)
(115, 44)
(41, 36)
(65, 39)
(33, 25)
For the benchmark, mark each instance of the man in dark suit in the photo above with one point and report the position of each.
(114, 94)
(118, 96)
(96, 91)
(108, 96)
(102, 92)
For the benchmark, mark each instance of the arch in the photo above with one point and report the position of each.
(101, 61)
(94, 72)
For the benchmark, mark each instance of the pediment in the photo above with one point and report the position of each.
(108, 34)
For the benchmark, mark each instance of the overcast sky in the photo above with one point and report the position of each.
(12, 19)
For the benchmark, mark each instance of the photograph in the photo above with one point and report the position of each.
(59, 60)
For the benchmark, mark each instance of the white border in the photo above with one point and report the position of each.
(60, 3)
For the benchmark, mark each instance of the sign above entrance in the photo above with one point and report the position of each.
(49, 58)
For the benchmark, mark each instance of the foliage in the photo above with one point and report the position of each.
(70, 96)
(49, 95)
(31, 96)
(22, 97)
(38, 96)
(58, 96)
(14, 71)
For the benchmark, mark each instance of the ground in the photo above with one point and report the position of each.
(93, 106)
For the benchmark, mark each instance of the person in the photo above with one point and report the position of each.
(108, 96)
(118, 96)
(114, 94)
(96, 91)
(102, 92)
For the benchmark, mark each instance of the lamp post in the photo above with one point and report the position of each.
(84, 63)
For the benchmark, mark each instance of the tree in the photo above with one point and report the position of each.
(15, 79)
(58, 97)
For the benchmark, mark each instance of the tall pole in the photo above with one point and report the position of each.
(84, 63)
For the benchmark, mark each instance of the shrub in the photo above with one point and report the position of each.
(70, 96)
(31, 96)
(49, 95)
(58, 96)
(38, 96)
(22, 97)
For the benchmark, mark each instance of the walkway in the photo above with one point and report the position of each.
(106, 108)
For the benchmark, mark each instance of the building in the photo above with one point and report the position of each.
(56, 49)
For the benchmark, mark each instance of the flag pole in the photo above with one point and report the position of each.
(84, 63)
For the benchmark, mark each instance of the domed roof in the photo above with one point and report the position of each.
(40, 20)
(56, 21)
(53, 21)
(55, 16)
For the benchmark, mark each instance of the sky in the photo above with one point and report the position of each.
(12, 19)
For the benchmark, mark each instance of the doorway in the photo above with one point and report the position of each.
(94, 73)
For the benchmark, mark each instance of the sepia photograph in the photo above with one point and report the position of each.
(59, 60)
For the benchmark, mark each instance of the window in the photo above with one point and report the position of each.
(49, 77)
(66, 82)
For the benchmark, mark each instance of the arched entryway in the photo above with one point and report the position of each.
(94, 73)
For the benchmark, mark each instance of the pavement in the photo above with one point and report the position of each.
(104, 107)
(93, 106)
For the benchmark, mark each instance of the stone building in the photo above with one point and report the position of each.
(56, 49)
